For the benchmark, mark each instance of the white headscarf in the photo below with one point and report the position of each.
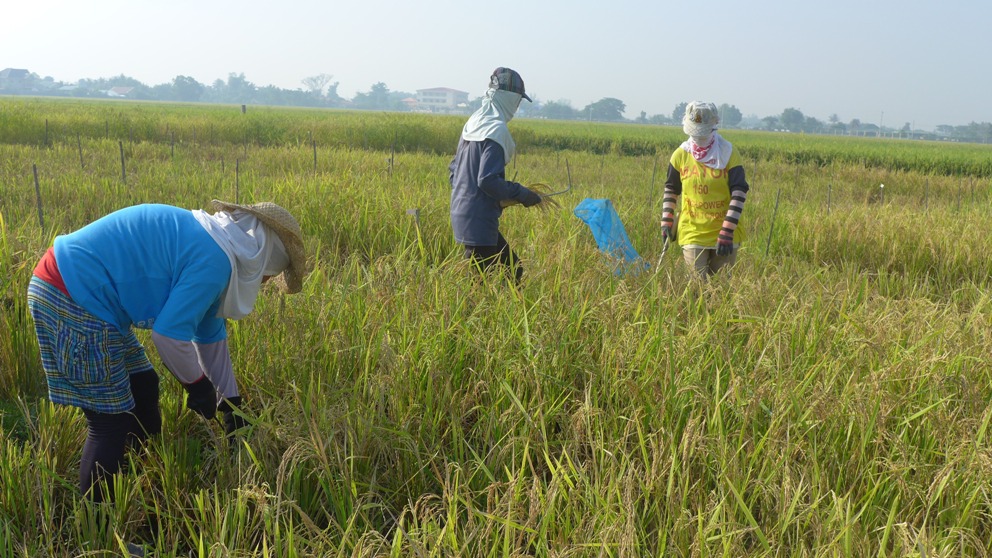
(255, 252)
(712, 150)
(489, 122)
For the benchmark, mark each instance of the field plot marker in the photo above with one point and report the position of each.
(654, 171)
(771, 229)
(392, 155)
(123, 171)
(37, 193)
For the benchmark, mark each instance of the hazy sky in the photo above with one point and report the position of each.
(896, 61)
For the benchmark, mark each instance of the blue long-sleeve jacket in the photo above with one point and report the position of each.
(478, 184)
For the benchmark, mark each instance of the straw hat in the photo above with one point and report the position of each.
(700, 119)
(285, 225)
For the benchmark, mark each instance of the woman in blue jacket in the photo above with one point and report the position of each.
(177, 272)
(478, 176)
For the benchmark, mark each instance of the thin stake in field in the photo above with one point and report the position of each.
(654, 172)
(771, 229)
(392, 155)
(237, 179)
(37, 193)
(123, 170)
(79, 144)
(415, 213)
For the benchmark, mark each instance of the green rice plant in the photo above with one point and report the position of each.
(828, 397)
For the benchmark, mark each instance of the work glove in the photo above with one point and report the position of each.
(234, 420)
(201, 398)
(725, 244)
(528, 197)
(666, 233)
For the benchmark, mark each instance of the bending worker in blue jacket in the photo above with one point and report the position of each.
(177, 272)
(478, 181)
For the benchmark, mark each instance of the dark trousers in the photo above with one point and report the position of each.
(109, 435)
(489, 258)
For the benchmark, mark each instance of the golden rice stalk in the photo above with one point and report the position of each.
(542, 189)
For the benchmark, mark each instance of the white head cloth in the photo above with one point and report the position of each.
(489, 122)
(712, 151)
(254, 251)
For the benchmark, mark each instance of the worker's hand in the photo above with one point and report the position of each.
(234, 419)
(725, 244)
(666, 233)
(201, 398)
(528, 197)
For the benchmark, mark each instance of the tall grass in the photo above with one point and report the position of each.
(829, 398)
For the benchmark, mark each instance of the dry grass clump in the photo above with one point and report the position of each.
(547, 203)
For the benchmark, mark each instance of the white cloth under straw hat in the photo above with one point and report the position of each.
(286, 226)
(261, 240)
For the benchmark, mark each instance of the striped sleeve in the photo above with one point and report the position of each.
(673, 188)
(738, 195)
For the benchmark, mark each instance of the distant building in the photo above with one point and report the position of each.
(119, 91)
(441, 99)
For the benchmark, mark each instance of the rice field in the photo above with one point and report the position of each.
(830, 397)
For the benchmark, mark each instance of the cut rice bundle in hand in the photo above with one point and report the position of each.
(541, 189)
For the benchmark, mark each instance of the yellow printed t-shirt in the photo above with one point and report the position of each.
(705, 199)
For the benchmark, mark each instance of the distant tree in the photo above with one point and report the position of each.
(376, 99)
(332, 94)
(854, 126)
(812, 125)
(606, 109)
(945, 130)
(659, 119)
(837, 127)
(730, 116)
(834, 119)
(770, 122)
(272, 95)
(238, 89)
(679, 112)
(792, 119)
(642, 119)
(559, 110)
(316, 84)
(187, 89)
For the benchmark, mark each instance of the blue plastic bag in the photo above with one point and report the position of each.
(610, 234)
